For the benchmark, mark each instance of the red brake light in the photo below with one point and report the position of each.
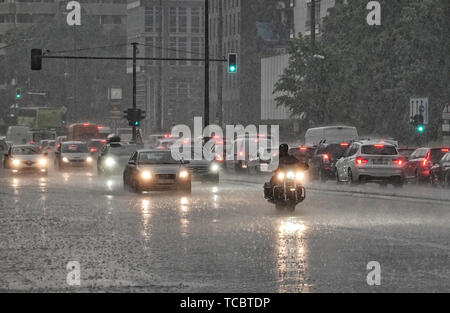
(378, 146)
(219, 142)
(92, 149)
(344, 144)
(86, 124)
(361, 161)
(100, 127)
(219, 158)
(303, 148)
(326, 158)
(103, 141)
(398, 162)
(427, 159)
(445, 150)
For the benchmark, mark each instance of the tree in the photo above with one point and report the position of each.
(370, 72)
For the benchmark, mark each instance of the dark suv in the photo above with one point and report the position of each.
(420, 163)
(322, 165)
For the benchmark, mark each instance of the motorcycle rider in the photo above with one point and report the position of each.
(284, 159)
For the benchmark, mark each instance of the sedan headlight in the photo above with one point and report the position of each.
(43, 162)
(110, 162)
(280, 176)
(15, 162)
(65, 160)
(183, 174)
(146, 175)
(299, 176)
(214, 167)
(89, 160)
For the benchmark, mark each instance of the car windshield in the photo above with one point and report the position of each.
(336, 150)
(157, 157)
(122, 150)
(436, 155)
(379, 150)
(25, 150)
(74, 148)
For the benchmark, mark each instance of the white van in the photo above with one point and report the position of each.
(18, 135)
(331, 134)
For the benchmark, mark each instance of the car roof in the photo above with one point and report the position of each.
(151, 150)
(24, 146)
(374, 142)
(74, 143)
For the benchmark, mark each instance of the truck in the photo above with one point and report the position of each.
(43, 122)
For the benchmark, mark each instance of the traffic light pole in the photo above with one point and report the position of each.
(134, 44)
(206, 103)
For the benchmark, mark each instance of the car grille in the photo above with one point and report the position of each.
(166, 176)
(29, 163)
(202, 169)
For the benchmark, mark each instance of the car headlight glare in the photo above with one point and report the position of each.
(65, 160)
(184, 174)
(280, 176)
(299, 175)
(15, 162)
(146, 175)
(89, 160)
(110, 162)
(42, 162)
(290, 175)
(215, 168)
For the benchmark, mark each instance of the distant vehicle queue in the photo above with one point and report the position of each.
(332, 153)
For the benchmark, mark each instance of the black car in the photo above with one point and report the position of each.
(440, 172)
(303, 153)
(322, 165)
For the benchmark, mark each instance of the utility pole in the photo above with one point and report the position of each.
(134, 44)
(313, 26)
(220, 110)
(158, 111)
(206, 108)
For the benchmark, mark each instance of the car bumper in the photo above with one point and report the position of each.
(378, 173)
(157, 186)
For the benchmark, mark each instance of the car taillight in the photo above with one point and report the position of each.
(445, 150)
(427, 160)
(92, 149)
(326, 158)
(379, 146)
(219, 158)
(303, 149)
(344, 144)
(398, 162)
(361, 161)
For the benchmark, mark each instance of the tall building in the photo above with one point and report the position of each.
(23, 13)
(170, 91)
(302, 15)
(253, 29)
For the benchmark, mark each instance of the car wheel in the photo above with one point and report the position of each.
(447, 180)
(351, 180)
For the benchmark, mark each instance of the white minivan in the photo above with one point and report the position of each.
(330, 134)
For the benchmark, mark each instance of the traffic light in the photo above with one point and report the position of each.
(134, 116)
(232, 63)
(18, 93)
(418, 123)
(36, 59)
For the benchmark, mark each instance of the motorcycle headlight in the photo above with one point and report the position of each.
(15, 162)
(280, 175)
(146, 175)
(89, 160)
(183, 174)
(290, 175)
(299, 175)
(42, 162)
(65, 160)
(214, 167)
(110, 162)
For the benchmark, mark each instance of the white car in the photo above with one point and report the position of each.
(25, 158)
(371, 161)
(73, 154)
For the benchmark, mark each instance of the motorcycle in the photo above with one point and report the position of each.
(285, 189)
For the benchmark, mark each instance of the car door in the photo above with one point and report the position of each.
(340, 164)
(349, 160)
(130, 169)
(445, 166)
(410, 167)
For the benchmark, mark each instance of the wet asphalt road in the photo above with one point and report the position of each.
(222, 238)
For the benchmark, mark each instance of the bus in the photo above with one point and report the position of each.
(83, 132)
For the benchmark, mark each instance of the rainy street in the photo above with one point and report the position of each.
(221, 238)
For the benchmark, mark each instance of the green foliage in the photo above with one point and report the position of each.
(370, 72)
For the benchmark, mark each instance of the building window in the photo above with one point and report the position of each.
(182, 20)
(195, 20)
(308, 15)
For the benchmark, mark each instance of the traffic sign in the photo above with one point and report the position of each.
(446, 112)
(419, 106)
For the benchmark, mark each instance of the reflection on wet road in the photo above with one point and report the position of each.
(221, 238)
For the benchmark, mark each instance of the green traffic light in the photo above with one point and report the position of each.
(136, 123)
(420, 129)
(18, 96)
(232, 69)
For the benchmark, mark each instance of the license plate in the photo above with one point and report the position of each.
(165, 181)
(380, 162)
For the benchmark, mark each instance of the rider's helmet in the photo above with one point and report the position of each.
(284, 149)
